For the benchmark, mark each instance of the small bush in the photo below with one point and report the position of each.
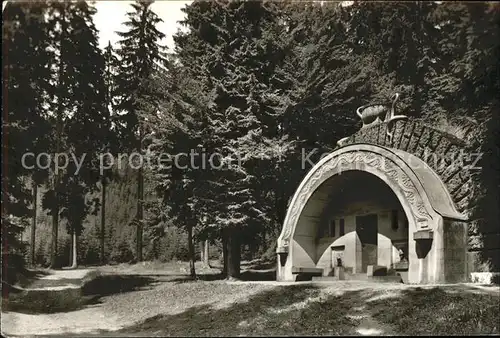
(122, 253)
(173, 246)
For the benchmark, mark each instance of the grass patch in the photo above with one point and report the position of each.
(105, 285)
(35, 302)
(91, 288)
(439, 312)
(278, 312)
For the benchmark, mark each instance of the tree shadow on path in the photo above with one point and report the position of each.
(72, 299)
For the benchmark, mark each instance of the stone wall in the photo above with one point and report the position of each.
(457, 162)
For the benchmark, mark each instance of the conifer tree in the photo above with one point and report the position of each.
(402, 37)
(111, 146)
(26, 76)
(181, 129)
(140, 55)
(231, 54)
(81, 120)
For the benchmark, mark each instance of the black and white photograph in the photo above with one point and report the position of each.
(224, 168)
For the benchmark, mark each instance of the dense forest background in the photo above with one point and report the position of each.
(261, 81)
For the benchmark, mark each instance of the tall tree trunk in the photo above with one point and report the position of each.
(74, 251)
(140, 197)
(191, 252)
(155, 249)
(60, 110)
(206, 259)
(139, 216)
(54, 258)
(71, 239)
(233, 250)
(54, 262)
(103, 218)
(224, 252)
(33, 224)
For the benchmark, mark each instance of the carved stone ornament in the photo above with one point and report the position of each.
(356, 159)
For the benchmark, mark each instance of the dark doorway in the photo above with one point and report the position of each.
(367, 230)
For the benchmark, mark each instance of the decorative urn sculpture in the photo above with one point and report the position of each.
(375, 113)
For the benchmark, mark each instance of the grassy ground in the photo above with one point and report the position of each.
(440, 311)
(50, 291)
(159, 300)
(312, 310)
(272, 312)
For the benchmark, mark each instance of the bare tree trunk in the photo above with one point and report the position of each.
(33, 224)
(224, 253)
(54, 262)
(139, 217)
(192, 258)
(140, 196)
(54, 258)
(206, 257)
(71, 239)
(74, 251)
(59, 126)
(103, 218)
(232, 258)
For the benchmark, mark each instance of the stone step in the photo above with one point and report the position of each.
(387, 279)
(360, 277)
(310, 270)
(325, 279)
(381, 279)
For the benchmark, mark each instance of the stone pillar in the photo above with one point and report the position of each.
(437, 270)
(455, 251)
(413, 261)
(423, 240)
(279, 269)
(282, 257)
(359, 256)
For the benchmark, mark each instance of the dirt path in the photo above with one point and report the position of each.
(125, 309)
(86, 320)
(168, 295)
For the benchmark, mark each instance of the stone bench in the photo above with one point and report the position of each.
(306, 273)
(297, 270)
(376, 270)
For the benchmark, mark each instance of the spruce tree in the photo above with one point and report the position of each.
(230, 51)
(111, 146)
(403, 39)
(26, 76)
(81, 120)
(181, 129)
(464, 98)
(140, 55)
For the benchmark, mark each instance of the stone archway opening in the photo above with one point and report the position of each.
(361, 223)
(365, 207)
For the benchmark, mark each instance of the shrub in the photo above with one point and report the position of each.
(122, 253)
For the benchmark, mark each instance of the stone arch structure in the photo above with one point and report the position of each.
(423, 196)
(444, 153)
(435, 180)
(457, 162)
